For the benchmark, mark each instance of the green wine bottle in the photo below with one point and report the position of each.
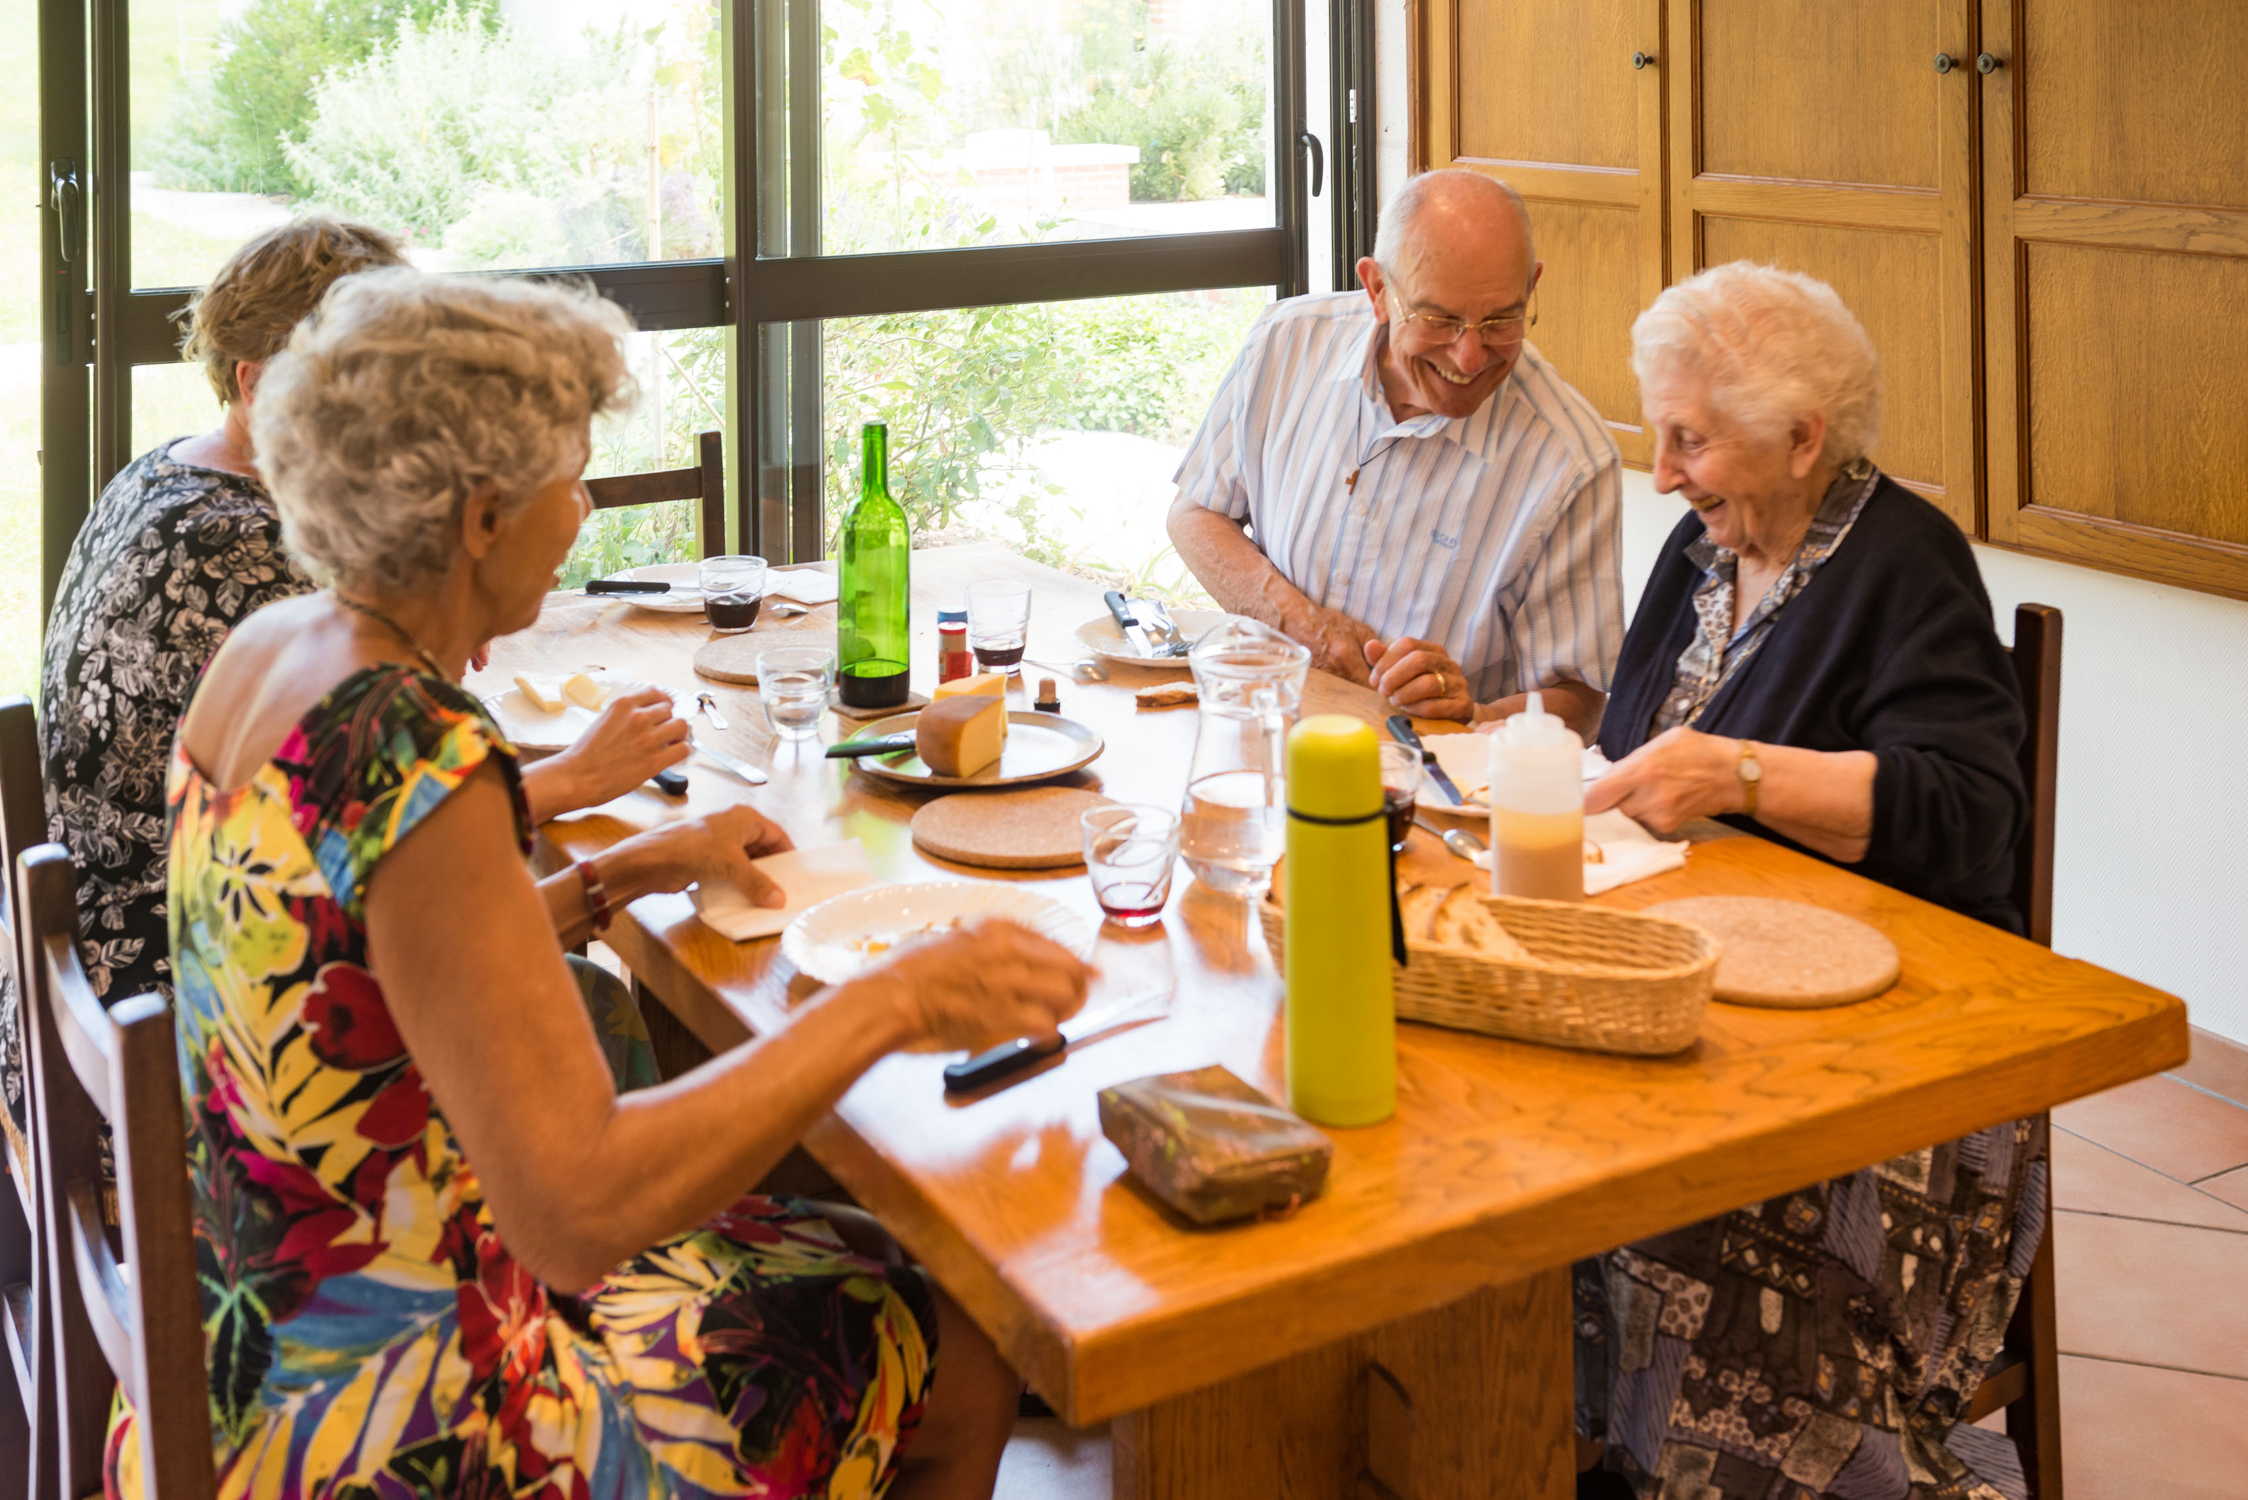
(871, 617)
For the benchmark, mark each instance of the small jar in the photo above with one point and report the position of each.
(954, 659)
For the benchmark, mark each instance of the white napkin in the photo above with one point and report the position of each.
(805, 585)
(806, 877)
(1465, 758)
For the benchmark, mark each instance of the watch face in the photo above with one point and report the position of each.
(1752, 770)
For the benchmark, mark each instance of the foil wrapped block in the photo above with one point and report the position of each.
(1213, 1148)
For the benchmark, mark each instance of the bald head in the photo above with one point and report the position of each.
(1456, 213)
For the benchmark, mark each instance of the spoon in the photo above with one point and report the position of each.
(1088, 670)
(787, 609)
(1466, 845)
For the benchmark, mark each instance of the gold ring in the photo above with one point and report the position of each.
(1441, 690)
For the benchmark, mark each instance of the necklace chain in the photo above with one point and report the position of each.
(397, 630)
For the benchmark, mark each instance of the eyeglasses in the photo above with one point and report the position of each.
(1506, 328)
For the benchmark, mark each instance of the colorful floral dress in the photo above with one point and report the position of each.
(369, 1334)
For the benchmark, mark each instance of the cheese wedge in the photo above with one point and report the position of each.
(583, 691)
(961, 735)
(544, 700)
(983, 684)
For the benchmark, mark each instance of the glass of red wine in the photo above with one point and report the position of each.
(998, 623)
(1401, 788)
(1130, 850)
(733, 590)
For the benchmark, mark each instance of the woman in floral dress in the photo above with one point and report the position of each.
(442, 1255)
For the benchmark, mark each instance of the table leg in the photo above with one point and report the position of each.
(1469, 1400)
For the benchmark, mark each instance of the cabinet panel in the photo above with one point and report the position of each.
(1833, 93)
(1890, 281)
(2134, 102)
(1549, 82)
(1586, 302)
(2138, 399)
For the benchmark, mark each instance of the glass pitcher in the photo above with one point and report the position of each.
(1234, 820)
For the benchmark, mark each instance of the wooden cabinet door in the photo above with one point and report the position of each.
(2115, 220)
(1824, 138)
(1544, 95)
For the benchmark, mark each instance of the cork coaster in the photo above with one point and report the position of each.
(733, 658)
(845, 710)
(1787, 953)
(1034, 828)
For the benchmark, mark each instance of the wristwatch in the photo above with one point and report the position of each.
(1751, 772)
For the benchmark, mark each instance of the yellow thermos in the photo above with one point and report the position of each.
(1342, 1012)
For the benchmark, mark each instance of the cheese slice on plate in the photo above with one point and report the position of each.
(983, 684)
(583, 691)
(961, 735)
(543, 696)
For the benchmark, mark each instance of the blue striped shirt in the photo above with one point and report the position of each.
(1495, 534)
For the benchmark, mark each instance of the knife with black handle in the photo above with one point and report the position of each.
(1401, 730)
(1127, 623)
(881, 744)
(626, 586)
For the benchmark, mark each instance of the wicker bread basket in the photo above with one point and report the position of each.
(1603, 980)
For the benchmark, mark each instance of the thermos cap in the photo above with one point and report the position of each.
(1334, 768)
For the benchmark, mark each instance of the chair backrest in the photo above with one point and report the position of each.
(130, 1318)
(23, 824)
(2037, 670)
(705, 482)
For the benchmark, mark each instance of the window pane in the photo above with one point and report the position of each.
(682, 380)
(486, 133)
(170, 401)
(1052, 427)
(991, 122)
(19, 336)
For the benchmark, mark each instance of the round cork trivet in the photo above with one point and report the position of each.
(1787, 953)
(1033, 828)
(733, 658)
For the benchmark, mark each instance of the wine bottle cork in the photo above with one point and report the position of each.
(1049, 697)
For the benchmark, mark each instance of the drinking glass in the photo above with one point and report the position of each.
(792, 683)
(1130, 851)
(998, 623)
(1401, 787)
(733, 590)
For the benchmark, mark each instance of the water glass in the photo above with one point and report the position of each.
(793, 683)
(998, 623)
(1130, 851)
(733, 590)
(1401, 788)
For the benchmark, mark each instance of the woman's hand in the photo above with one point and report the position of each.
(979, 986)
(1678, 776)
(716, 847)
(635, 736)
(1420, 678)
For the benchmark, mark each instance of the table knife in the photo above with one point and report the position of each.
(1401, 730)
(881, 744)
(728, 763)
(1008, 1058)
(1127, 623)
(626, 586)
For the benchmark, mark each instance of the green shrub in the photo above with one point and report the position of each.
(1201, 130)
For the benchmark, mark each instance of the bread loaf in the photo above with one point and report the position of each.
(961, 735)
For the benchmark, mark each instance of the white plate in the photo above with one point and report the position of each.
(1463, 758)
(833, 941)
(810, 585)
(529, 727)
(1102, 638)
(1039, 747)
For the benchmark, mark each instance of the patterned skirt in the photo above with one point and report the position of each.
(1821, 1344)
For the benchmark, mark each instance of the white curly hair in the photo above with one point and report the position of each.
(404, 393)
(1766, 347)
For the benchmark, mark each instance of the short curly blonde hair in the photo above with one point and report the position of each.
(1767, 347)
(405, 393)
(267, 286)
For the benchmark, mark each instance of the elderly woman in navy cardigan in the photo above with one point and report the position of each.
(1812, 659)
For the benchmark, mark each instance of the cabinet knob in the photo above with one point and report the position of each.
(1985, 63)
(1643, 59)
(1945, 62)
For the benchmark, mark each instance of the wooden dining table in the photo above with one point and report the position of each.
(1409, 1331)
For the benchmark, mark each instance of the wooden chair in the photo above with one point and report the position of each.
(126, 1317)
(2024, 1381)
(705, 482)
(27, 1432)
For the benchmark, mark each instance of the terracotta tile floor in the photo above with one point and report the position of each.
(2151, 1246)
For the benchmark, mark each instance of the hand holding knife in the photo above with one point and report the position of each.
(1008, 1058)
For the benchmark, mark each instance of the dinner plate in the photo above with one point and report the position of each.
(1039, 747)
(843, 936)
(1463, 758)
(1102, 638)
(529, 727)
(809, 586)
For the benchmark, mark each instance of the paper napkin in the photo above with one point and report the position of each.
(804, 585)
(806, 876)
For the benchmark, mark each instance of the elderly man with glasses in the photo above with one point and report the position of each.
(1405, 485)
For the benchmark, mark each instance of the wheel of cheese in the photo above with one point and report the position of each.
(1032, 828)
(1787, 953)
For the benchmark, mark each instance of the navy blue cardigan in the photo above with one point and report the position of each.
(1889, 648)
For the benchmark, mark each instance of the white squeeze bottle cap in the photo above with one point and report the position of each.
(1534, 727)
(1537, 806)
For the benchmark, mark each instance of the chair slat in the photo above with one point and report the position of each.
(109, 1300)
(704, 482)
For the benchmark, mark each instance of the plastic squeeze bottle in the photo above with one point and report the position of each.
(1341, 1009)
(1537, 807)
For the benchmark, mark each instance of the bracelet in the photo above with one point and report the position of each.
(596, 896)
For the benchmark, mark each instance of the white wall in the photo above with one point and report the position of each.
(2151, 871)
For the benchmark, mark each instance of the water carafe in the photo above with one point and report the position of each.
(1234, 820)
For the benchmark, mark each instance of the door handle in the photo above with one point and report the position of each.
(1318, 152)
(1987, 64)
(67, 198)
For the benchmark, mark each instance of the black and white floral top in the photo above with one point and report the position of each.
(173, 557)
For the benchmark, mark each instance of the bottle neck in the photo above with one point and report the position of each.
(874, 460)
